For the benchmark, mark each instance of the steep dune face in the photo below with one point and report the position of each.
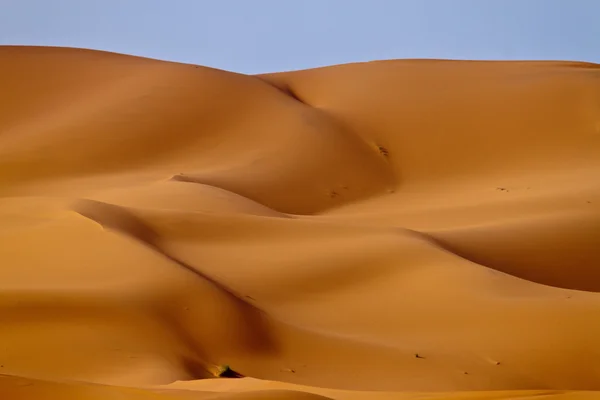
(387, 226)
(160, 120)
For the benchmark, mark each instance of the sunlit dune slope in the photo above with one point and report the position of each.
(394, 226)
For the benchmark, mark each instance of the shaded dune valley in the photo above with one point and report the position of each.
(406, 229)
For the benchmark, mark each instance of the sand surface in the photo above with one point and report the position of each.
(402, 229)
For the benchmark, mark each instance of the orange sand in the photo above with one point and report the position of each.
(364, 231)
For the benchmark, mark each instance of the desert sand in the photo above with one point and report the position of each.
(407, 229)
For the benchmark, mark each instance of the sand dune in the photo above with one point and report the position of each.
(413, 229)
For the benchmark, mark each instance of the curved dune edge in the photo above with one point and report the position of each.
(397, 226)
(248, 389)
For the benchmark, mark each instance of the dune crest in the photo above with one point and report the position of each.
(362, 230)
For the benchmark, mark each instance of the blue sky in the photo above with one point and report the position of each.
(253, 36)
